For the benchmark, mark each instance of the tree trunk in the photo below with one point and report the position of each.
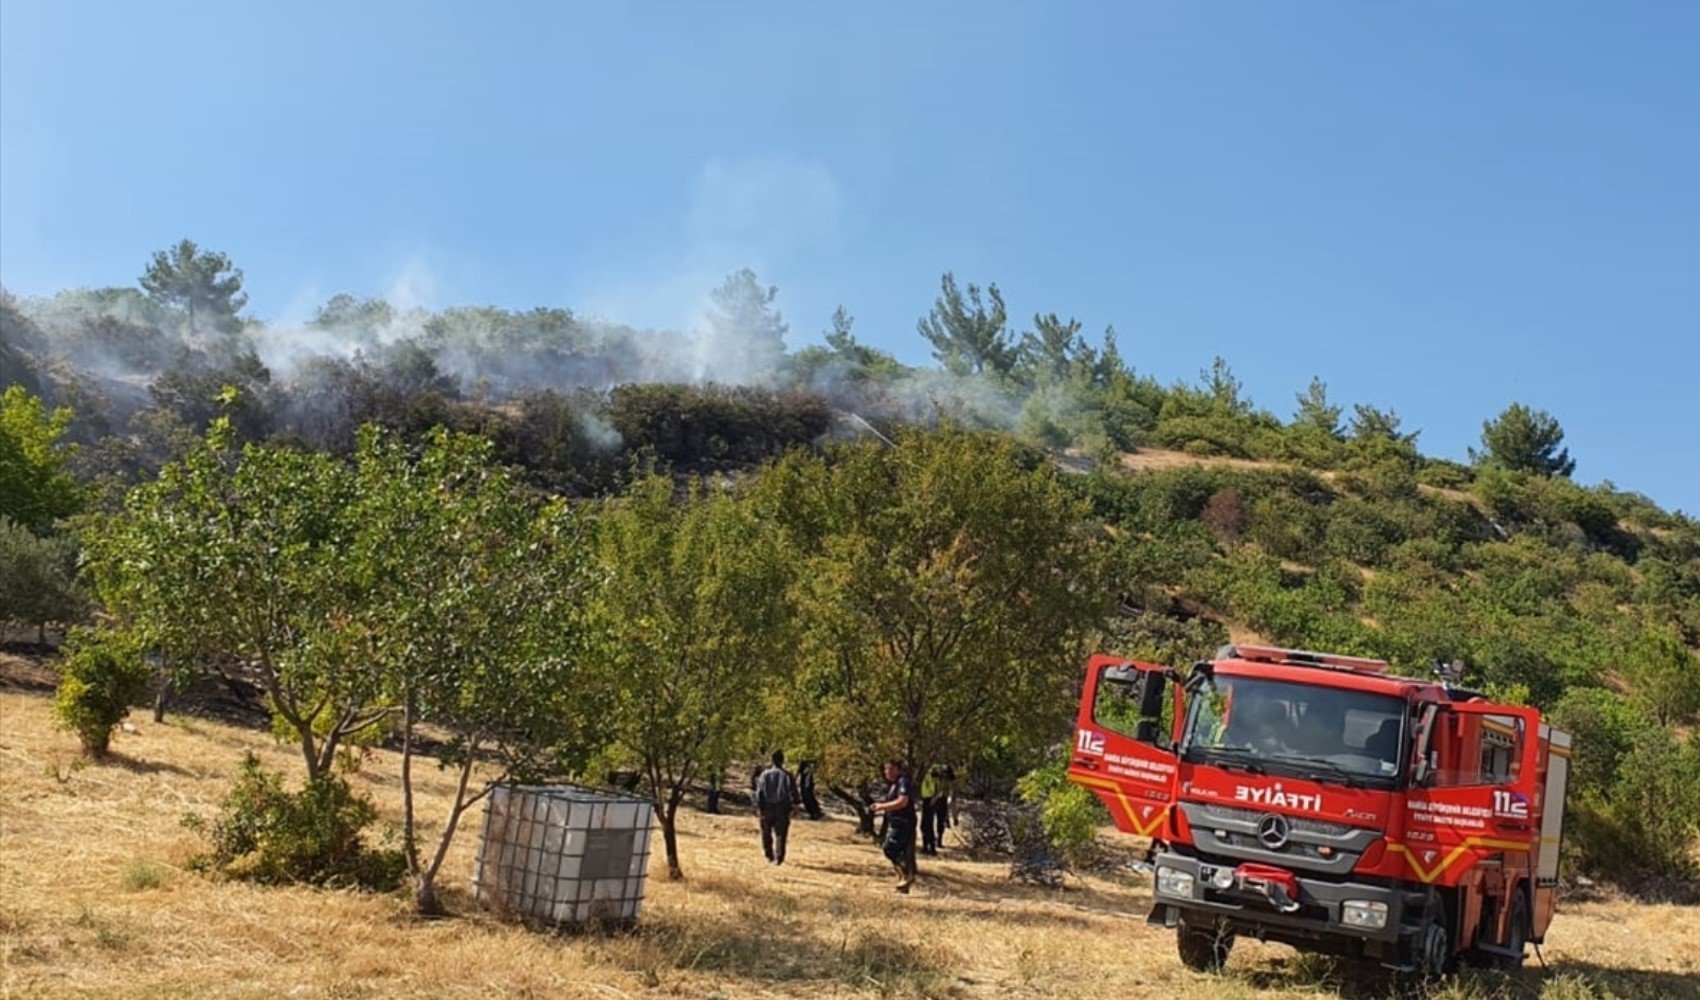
(162, 697)
(670, 838)
(409, 836)
(425, 901)
(864, 815)
(425, 897)
(95, 747)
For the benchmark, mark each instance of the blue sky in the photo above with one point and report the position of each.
(1439, 208)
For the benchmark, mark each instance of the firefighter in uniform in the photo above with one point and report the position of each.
(898, 808)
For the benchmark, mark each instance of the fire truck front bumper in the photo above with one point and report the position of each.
(1276, 904)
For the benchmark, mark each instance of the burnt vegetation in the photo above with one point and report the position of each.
(1332, 530)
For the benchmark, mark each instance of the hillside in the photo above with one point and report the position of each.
(1187, 515)
(95, 902)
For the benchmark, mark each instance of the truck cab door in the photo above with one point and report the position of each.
(1124, 741)
(1473, 793)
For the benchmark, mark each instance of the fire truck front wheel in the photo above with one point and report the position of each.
(1204, 949)
(1434, 958)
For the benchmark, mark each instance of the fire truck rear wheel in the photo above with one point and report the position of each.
(1519, 934)
(1203, 949)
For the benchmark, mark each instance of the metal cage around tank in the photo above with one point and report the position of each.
(560, 854)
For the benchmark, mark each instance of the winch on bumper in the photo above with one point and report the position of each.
(1273, 903)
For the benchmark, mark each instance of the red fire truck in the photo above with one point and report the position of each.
(1319, 801)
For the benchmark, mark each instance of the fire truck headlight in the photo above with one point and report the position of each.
(1363, 913)
(1174, 882)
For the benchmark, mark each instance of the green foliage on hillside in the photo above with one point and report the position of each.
(1329, 529)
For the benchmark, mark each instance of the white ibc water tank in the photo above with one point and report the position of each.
(563, 855)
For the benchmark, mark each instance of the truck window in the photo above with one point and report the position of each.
(1123, 703)
(1358, 732)
(1476, 749)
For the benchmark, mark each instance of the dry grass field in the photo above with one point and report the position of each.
(95, 902)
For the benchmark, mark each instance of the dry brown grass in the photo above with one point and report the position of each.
(95, 902)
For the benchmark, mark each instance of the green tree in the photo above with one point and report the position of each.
(203, 284)
(692, 618)
(36, 489)
(1054, 346)
(357, 321)
(1525, 440)
(1372, 424)
(843, 357)
(968, 332)
(948, 599)
(470, 613)
(243, 558)
(1219, 385)
(745, 336)
(1315, 412)
(1664, 674)
(38, 578)
(864, 361)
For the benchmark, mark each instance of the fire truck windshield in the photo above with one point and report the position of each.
(1332, 733)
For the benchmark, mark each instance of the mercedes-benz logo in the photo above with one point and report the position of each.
(1272, 832)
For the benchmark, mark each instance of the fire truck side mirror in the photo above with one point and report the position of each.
(1423, 775)
(1151, 695)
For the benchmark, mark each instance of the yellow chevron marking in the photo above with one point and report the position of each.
(1430, 874)
(1143, 829)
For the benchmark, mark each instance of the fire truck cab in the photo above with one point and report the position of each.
(1319, 801)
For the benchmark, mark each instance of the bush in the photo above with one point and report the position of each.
(711, 426)
(265, 834)
(38, 577)
(104, 675)
(1646, 828)
(1444, 474)
(1635, 790)
(1068, 814)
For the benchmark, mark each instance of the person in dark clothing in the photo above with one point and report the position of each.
(775, 797)
(715, 779)
(935, 807)
(806, 789)
(898, 808)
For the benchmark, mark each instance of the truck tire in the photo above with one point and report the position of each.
(1519, 936)
(1434, 958)
(1203, 949)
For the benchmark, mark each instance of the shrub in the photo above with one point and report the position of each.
(1225, 515)
(1068, 814)
(1635, 789)
(714, 425)
(1444, 474)
(1647, 826)
(268, 835)
(142, 875)
(38, 577)
(104, 675)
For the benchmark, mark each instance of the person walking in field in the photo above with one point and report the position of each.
(935, 807)
(898, 808)
(775, 797)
